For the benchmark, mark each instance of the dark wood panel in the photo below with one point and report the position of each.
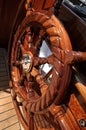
(2, 74)
(4, 78)
(8, 9)
(75, 26)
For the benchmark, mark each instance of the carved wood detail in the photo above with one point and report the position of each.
(37, 95)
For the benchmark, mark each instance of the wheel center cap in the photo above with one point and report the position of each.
(27, 62)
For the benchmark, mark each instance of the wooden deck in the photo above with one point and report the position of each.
(8, 117)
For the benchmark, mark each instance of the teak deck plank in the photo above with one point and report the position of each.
(8, 117)
(6, 107)
(4, 95)
(5, 100)
(7, 114)
(8, 122)
(13, 127)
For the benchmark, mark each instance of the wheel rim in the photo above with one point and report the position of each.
(37, 88)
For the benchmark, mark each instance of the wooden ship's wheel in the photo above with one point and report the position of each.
(41, 58)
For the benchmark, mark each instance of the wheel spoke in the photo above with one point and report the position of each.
(31, 122)
(53, 61)
(56, 63)
(22, 49)
(25, 43)
(39, 79)
(50, 60)
(39, 61)
(28, 40)
(29, 85)
(21, 81)
(48, 74)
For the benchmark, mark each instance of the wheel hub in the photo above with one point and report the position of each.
(27, 62)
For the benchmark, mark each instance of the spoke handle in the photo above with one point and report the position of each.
(39, 78)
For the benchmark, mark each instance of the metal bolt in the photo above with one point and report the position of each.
(82, 122)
